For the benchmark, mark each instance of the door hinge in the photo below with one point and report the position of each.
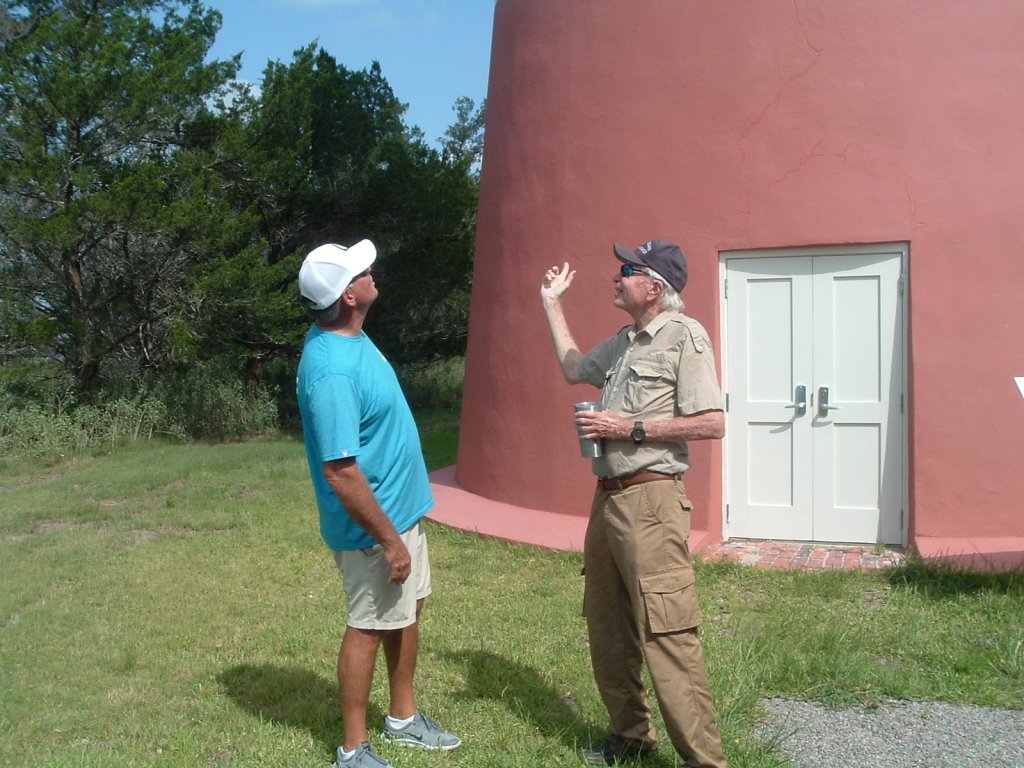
(903, 404)
(726, 514)
(726, 402)
(726, 288)
(902, 526)
(899, 285)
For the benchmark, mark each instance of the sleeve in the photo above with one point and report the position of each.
(594, 366)
(334, 404)
(697, 384)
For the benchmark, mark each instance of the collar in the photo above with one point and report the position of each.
(651, 329)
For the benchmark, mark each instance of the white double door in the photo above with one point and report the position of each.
(814, 377)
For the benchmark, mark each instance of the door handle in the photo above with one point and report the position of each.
(799, 403)
(823, 406)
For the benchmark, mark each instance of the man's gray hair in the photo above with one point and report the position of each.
(670, 300)
(326, 315)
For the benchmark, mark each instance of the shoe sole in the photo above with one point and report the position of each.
(593, 758)
(405, 741)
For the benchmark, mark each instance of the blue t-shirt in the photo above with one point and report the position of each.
(353, 407)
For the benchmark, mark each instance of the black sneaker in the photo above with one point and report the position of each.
(615, 748)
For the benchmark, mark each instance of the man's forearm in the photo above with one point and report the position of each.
(353, 491)
(706, 425)
(566, 349)
(709, 425)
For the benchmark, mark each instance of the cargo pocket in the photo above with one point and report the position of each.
(670, 598)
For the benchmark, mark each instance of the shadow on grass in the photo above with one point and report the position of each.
(536, 703)
(942, 579)
(521, 690)
(290, 696)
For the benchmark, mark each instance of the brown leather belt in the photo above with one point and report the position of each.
(618, 483)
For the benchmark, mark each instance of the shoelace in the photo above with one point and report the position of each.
(429, 723)
(368, 751)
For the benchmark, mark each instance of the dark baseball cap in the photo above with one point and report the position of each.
(663, 257)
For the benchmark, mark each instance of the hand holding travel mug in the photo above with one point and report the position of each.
(589, 449)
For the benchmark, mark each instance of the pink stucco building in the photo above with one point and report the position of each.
(844, 178)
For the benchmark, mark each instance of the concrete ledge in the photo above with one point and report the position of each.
(701, 540)
(465, 511)
(985, 554)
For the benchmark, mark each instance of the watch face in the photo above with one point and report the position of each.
(638, 433)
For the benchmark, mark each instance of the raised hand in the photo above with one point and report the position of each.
(556, 282)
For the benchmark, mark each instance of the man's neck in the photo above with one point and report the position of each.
(348, 324)
(642, 319)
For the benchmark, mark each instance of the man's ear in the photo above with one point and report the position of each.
(347, 298)
(656, 289)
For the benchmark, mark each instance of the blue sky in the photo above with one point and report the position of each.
(431, 51)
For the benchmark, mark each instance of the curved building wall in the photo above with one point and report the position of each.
(736, 125)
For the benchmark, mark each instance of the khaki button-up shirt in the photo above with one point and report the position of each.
(665, 370)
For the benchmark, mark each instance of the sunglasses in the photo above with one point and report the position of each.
(628, 270)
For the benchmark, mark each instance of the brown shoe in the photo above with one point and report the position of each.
(615, 748)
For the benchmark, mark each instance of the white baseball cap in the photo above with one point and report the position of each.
(327, 271)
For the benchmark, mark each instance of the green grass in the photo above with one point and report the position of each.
(174, 606)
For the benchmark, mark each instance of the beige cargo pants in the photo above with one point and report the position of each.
(640, 602)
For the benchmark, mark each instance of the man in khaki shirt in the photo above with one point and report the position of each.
(659, 390)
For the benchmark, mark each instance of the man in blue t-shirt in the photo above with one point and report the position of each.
(372, 492)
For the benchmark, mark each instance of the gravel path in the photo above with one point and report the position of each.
(898, 734)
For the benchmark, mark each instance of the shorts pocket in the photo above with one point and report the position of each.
(670, 599)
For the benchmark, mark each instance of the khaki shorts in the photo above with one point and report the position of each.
(373, 601)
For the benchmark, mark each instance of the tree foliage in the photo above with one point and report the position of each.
(153, 212)
(98, 211)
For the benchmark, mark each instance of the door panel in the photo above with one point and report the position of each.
(829, 318)
(856, 303)
(772, 309)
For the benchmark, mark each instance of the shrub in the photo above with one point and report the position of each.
(206, 401)
(210, 403)
(31, 430)
(435, 385)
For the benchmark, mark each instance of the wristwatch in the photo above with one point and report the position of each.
(639, 434)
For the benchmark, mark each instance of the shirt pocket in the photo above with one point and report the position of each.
(670, 599)
(649, 379)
